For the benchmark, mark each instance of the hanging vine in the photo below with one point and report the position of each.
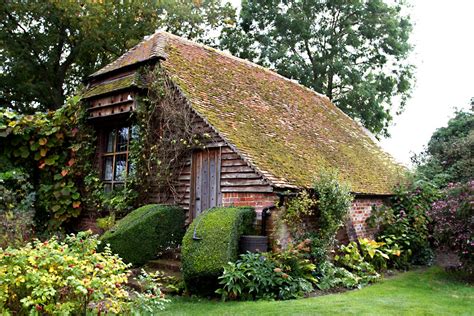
(164, 138)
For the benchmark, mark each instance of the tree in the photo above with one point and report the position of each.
(354, 51)
(200, 20)
(448, 156)
(48, 47)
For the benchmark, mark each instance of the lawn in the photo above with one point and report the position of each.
(421, 292)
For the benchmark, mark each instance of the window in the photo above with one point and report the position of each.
(115, 164)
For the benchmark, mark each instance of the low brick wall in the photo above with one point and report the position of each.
(86, 221)
(356, 226)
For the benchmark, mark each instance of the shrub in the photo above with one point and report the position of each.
(219, 231)
(407, 217)
(350, 258)
(330, 276)
(67, 277)
(399, 250)
(282, 275)
(297, 208)
(148, 230)
(453, 222)
(150, 299)
(333, 202)
(16, 207)
(375, 253)
(107, 222)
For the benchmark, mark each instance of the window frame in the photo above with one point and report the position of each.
(114, 154)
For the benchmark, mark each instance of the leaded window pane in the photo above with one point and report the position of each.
(108, 167)
(120, 167)
(122, 139)
(115, 158)
(109, 147)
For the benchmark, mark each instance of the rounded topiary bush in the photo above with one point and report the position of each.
(215, 243)
(146, 231)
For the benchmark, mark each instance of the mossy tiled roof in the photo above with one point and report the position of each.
(284, 130)
(110, 86)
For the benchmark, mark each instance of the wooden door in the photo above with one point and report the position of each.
(205, 180)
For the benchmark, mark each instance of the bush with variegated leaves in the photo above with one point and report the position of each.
(62, 277)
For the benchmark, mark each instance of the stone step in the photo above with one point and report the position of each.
(165, 264)
(171, 254)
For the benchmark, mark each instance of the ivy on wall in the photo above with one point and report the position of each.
(55, 151)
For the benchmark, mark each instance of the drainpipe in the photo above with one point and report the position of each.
(266, 212)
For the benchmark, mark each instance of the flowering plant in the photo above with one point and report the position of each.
(453, 221)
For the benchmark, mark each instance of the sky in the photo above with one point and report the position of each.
(443, 35)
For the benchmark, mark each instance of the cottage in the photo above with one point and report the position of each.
(268, 134)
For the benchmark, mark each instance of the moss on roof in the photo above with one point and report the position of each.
(110, 86)
(286, 131)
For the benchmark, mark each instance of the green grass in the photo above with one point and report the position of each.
(421, 292)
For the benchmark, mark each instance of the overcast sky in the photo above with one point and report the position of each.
(443, 36)
(444, 47)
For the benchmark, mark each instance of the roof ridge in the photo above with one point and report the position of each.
(145, 39)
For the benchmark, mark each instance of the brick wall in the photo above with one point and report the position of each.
(356, 226)
(359, 212)
(256, 200)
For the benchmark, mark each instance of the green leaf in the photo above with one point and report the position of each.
(51, 160)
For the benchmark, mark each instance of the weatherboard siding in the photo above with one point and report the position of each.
(239, 183)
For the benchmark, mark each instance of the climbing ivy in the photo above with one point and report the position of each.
(318, 214)
(165, 137)
(56, 151)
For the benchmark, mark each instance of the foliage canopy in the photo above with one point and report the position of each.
(353, 51)
(448, 156)
(49, 47)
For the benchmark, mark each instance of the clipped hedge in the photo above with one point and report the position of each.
(142, 234)
(203, 260)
